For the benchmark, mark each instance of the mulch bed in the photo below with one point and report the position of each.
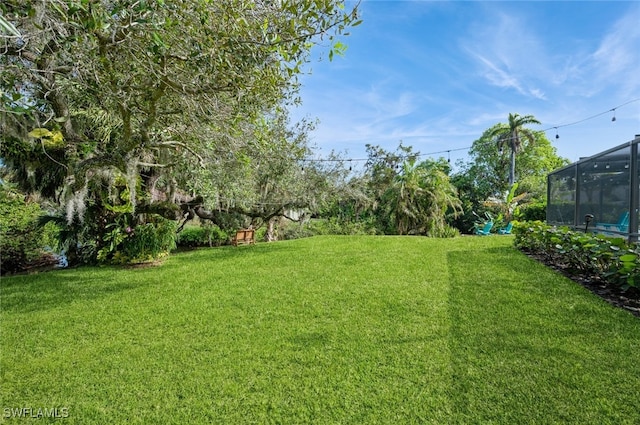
(628, 300)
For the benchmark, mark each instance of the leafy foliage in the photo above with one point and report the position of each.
(200, 236)
(404, 196)
(532, 211)
(21, 238)
(610, 259)
(513, 135)
(486, 174)
(335, 226)
(138, 244)
(173, 101)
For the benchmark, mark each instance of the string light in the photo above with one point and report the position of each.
(448, 151)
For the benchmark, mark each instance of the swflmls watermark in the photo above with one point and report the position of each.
(35, 413)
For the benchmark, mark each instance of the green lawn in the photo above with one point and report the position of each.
(345, 330)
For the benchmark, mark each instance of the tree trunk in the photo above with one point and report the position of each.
(512, 169)
(270, 235)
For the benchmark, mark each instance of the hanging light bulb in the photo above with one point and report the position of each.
(614, 114)
(557, 135)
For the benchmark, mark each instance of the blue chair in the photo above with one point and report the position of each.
(486, 230)
(506, 230)
(622, 225)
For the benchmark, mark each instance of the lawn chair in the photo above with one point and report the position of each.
(621, 226)
(486, 230)
(506, 230)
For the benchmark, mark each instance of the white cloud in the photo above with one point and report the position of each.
(537, 93)
(437, 96)
(617, 60)
(499, 77)
(384, 106)
(509, 54)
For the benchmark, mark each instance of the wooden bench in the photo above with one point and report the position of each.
(244, 236)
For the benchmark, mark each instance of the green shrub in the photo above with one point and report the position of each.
(294, 231)
(533, 211)
(21, 238)
(198, 236)
(138, 244)
(150, 241)
(611, 259)
(191, 237)
(445, 232)
(334, 226)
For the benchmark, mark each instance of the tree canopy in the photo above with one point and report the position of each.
(490, 167)
(141, 105)
(486, 174)
(511, 135)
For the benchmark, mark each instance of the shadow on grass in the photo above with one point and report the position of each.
(44, 291)
(230, 252)
(51, 289)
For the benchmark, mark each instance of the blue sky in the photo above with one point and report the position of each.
(436, 74)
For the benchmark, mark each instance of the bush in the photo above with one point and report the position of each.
(445, 232)
(334, 226)
(21, 238)
(138, 244)
(150, 241)
(611, 259)
(199, 236)
(294, 231)
(533, 211)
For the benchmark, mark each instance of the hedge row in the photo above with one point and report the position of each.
(611, 259)
(201, 236)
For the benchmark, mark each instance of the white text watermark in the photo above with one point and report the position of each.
(35, 413)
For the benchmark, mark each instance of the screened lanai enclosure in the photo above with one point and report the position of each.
(599, 193)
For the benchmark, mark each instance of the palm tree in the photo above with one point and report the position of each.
(419, 198)
(403, 197)
(511, 135)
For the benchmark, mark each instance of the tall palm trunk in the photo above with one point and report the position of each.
(512, 169)
(510, 134)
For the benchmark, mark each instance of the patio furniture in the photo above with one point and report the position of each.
(486, 230)
(506, 230)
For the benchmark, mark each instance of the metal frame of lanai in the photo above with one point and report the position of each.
(598, 193)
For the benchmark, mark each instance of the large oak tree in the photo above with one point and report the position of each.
(153, 105)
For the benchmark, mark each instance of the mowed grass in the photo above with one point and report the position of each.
(349, 330)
